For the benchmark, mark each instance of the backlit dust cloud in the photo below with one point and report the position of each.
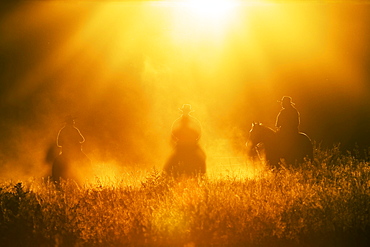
(124, 68)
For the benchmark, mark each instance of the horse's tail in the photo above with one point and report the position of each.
(307, 147)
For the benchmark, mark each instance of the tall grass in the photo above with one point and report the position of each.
(324, 203)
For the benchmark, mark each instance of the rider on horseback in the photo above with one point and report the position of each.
(69, 137)
(287, 144)
(287, 122)
(65, 164)
(288, 118)
(188, 158)
(186, 130)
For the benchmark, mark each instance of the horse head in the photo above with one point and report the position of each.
(255, 134)
(259, 133)
(262, 143)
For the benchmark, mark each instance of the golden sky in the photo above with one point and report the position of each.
(125, 67)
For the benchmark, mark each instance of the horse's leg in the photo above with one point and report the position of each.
(201, 161)
(60, 168)
(55, 170)
(273, 160)
(172, 164)
(195, 163)
(290, 148)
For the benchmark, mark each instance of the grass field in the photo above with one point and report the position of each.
(324, 203)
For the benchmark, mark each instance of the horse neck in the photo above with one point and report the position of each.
(269, 136)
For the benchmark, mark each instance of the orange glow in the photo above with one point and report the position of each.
(137, 62)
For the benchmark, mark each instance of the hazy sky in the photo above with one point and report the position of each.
(124, 69)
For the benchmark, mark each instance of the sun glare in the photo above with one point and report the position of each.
(211, 9)
(203, 19)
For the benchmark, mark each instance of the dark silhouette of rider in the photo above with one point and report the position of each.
(186, 130)
(287, 122)
(288, 119)
(71, 163)
(188, 158)
(69, 137)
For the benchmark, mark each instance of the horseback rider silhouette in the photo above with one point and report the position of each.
(288, 119)
(186, 130)
(71, 157)
(286, 144)
(69, 137)
(188, 158)
(287, 122)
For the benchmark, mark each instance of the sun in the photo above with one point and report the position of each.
(210, 9)
(199, 18)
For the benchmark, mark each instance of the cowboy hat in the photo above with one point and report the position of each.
(286, 100)
(186, 108)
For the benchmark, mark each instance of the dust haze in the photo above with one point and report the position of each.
(124, 69)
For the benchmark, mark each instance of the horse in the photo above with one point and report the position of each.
(68, 164)
(186, 161)
(292, 148)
